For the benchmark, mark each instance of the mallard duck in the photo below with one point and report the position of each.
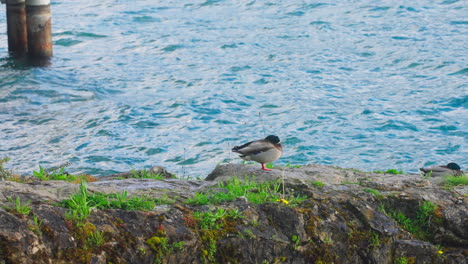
(262, 151)
(451, 169)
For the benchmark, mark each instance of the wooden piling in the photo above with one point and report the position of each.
(16, 27)
(39, 26)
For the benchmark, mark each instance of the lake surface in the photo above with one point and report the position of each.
(372, 85)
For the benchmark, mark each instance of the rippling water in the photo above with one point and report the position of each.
(363, 84)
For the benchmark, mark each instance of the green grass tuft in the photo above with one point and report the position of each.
(95, 239)
(209, 220)
(318, 184)
(4, 173)
(390, 171)
(374, 192)
(400, 260)
(455, 180)
(81, 203)
(59, 174)
(18, 207)
(427, 219)
(145, 174)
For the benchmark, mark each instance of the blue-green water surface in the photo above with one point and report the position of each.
(364, 84)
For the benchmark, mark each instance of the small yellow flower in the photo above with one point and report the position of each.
(440, 252)
(282, 201)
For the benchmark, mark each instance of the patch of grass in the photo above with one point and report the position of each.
(318, 184)
(4, 173)
(375, 239)
(390, 171)
(80, 204)
(59, 174)
(246, 233)
(209, 220)
(234, 214)
(41, 174)
(296, 200)
(200, 199)
(289, 165)
(255, 192)
(145, 174)
(452, 181)
(121, 200)
(400, 260)
(36, 225)
(375, 192)
(212, 226)
(296, 240)
(427, 219)
(18, 207)
(95, 239)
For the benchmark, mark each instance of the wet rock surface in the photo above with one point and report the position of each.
(346, 216)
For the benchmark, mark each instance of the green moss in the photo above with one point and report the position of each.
(75, 255)
(158, 244)
(312, 224)
(211, 227)
(320, 253)
(83, 251)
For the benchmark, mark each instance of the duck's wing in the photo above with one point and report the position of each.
(435, 169)
(253, 147)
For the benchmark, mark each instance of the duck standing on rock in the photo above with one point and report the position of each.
(451, 169)
(262, 151)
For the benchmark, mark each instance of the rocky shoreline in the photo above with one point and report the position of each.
(327, 215)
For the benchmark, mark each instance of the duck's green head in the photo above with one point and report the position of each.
(273, 139)
(453, 166)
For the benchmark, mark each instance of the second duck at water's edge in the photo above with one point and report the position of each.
(451, 169)
(262, 151)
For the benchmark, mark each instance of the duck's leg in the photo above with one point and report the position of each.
(263, 167)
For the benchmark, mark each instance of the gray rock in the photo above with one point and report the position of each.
(345, 219)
